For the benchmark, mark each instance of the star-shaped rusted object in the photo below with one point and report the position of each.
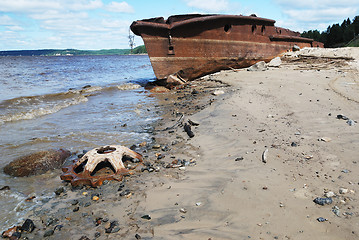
(100, 164)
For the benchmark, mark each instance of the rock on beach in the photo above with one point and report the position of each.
(37, 163)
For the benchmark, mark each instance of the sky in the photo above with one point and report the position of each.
(104, 24)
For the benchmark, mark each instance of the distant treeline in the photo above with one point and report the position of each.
(74, 52)
(346, 34)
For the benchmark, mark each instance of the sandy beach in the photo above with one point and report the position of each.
(268, 143)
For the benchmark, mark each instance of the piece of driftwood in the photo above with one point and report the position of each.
(188, 130)
(179, 121)
(192, 123)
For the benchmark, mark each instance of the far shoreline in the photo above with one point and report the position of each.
(140, 50)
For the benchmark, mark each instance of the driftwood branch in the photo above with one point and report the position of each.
(188, 130)
(179, 121)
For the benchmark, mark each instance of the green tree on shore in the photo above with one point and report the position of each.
(337, 35)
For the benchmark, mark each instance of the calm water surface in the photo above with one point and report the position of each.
(72, 102)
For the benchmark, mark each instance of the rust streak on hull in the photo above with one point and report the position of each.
(191, 46)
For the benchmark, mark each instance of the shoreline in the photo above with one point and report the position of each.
(223, 189)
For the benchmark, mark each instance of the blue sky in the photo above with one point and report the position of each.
(104, 24)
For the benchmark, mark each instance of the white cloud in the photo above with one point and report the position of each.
(54, 14)
(10, 23)
(209, 5)
(6, 20)
(318, 15)
(121, 7)
(81, 5)
(25, 6)
(38, 6)
(320, 12)
(306, 14)
(318, 4)
(15, 28)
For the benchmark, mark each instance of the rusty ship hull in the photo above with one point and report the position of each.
(190, 46)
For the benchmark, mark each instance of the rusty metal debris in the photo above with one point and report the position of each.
(100, 164)
(185, 47)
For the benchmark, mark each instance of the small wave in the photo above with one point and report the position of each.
(40, 109)
(26, 108)
(91, 89)
(17, 207)
(129, 86)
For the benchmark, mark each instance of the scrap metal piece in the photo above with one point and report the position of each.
(100, 164)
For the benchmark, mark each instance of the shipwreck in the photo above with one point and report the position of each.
(185, 47)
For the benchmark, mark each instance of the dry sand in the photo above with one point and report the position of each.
(287, 110)
(231, 193)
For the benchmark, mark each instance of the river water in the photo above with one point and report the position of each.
(71, 102)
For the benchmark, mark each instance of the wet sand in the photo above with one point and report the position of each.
(224, 189)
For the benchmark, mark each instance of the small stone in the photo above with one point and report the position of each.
(143, 144)
(198, 204)
(183, 210)
(95, 198)
(51, 221)
(15, 236)
(74, 202)
(329, 194)
(275, 62)
(28, 226)
(121, 187)
(194, 92)
(49, 233)
(147, 217)
(30, 198)
(125, 193)
(336, 211)
(97, 234)
(165, 148)
(59, 191)
(58, 227)
(323, 201)
(343, 190)
(9, 232)
(5, 188)
(296, 48)
(84, 238)
(326, 139)
(137, 236)
(218, 92)
(320, 219)
(76, 209)
(259, 66)
(294, 144)
(345, 171)
(340, 116)
(351, 122)
(264, 156)
(113, 227)
(156, 146)
(87, 204)
(239, 159)
(159, 89)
